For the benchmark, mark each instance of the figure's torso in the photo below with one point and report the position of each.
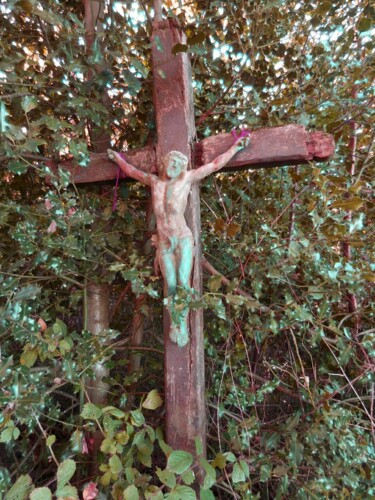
(169, 200)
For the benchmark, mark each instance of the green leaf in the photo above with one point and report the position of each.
(50, 440)
(115, 464)
(364, 24)
(91, 412)
(206, 495)
(29, 357)
(115, 412)
(65, 472)
(166, 477)
(41, 494)
(185, 492)
(21, 488)
(239, 474)
(188, 477)
(198, 37)
(154, 493)
(354, 203)
(210, 476)
(214, 283)
(5, 365)
(27, 292)
(6, 435)
(219, 461)
(179, 461)
(67, 491)
(179, 47)
(153, 400)
(265, 472)
(137, 418)
(198, 445)
(131, 493)
(4, 124)
(280, 471)
(28, 103)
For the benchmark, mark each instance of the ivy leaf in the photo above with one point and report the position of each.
(28, 103)
(21, 488)
(28, 357)
(214, 283)
(4, 124)
(240, 472)
(153, 400)
(198, 37)
(179, 461)
(65, 472)
(179, 47)
(27, 292)
(41, 494)
(354, 203)
(364, 24)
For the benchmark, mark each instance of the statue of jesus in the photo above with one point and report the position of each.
(174, 242)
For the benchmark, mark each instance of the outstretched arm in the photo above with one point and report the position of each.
(130, 170)
(219, 162)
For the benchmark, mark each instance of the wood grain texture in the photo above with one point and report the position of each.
(101, 168)
(183, 366)
(269, 147)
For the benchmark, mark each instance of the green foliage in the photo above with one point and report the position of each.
(290, 383)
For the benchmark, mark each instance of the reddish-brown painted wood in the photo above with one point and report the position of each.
(269, 147)
(101, 168)
(183, 366)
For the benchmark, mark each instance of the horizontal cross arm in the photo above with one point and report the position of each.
(101, 168)
(269, 147)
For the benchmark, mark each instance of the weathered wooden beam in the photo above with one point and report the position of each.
(269, 147)
(101, 168)
(183, 366)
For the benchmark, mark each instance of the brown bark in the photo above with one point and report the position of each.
(97, 307)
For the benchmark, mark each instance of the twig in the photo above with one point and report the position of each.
(225, 281)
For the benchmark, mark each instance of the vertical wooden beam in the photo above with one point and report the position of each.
(184, 367)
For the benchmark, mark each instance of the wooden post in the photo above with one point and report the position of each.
(184, 367)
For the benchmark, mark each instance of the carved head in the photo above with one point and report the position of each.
(174, 163)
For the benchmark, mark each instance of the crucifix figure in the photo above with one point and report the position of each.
(174, 240)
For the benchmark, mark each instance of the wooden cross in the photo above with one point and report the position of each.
(269, 147)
